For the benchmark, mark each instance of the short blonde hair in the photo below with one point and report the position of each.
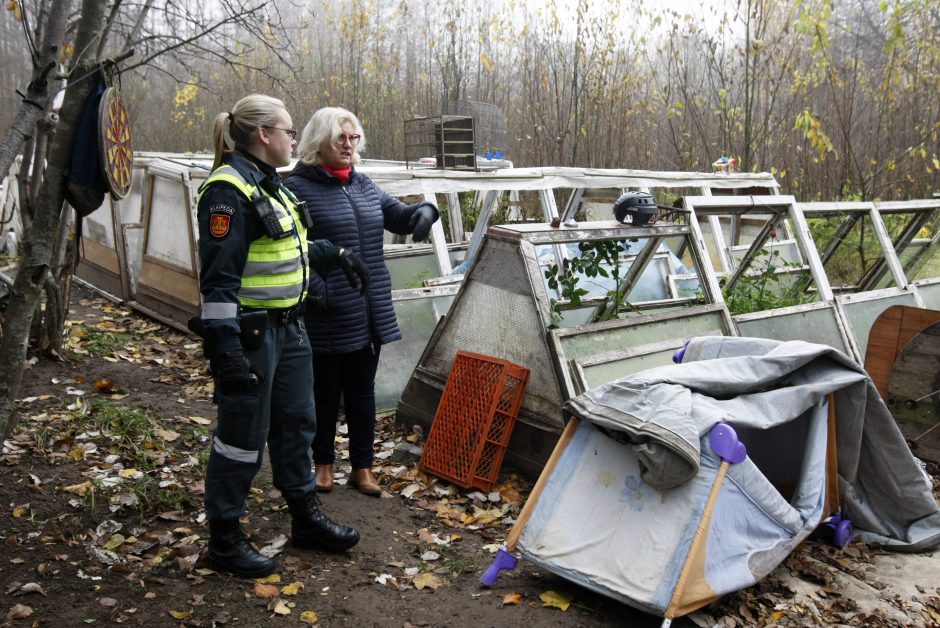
(325, 125)
(233, 129)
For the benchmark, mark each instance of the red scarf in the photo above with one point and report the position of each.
(340, 173)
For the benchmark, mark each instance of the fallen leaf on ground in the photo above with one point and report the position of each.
(427, 580)
(265, 590)
(274, 547)
(103, 555)
(292, 589)
(167, 435)
(108, 602)
(388, 580)
(29, 587)
(273, 578)
(425, 536)
(108, 526)
(410, 490)
(556, 600)
(104, 385)
(309, 617)
(120, 500)
(78, 489)
(281, 608)
(172, 515)
(512, 598)
(181, 614)
(19, 612)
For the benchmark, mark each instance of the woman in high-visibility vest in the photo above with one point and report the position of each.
(253, 279)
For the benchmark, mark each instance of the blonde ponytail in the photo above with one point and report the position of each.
(234, 130)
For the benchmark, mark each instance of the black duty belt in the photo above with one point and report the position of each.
(277, 317)
(285, 317)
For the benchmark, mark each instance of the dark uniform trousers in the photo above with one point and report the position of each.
(279, 412)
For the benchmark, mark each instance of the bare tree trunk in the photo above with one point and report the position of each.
(58, 285)
(32, 108)
(44, 129)
(38, 242)
(22, 180)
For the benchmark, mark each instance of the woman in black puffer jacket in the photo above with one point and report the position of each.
(349, 313)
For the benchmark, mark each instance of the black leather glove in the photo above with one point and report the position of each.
(421, 220)
(354, 267)
(234, 371)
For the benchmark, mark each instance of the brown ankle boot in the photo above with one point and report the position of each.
(324, 477)
(365, 482)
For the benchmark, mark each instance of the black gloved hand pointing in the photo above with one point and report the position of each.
(354, 267)
(421, 220)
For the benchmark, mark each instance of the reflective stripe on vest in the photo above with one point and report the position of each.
(274, 274)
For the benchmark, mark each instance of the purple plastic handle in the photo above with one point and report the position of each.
(678, 355)
(503, 560)
(725, 443)
(842, 534)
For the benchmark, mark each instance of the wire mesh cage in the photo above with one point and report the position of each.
(474, 420)
(444, 142)
(491, 132)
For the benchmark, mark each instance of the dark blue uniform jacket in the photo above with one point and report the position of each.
(222, 256)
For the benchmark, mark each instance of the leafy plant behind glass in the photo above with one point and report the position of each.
(598, 258)
(763, 288)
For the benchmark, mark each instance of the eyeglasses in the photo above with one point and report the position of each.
(352, 139)
(291, 132)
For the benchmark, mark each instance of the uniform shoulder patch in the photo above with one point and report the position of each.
(220, 219)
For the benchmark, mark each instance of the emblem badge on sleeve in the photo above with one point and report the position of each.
(219, 225)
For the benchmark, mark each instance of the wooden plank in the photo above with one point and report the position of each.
(890, 333)
(883, 348)
(162, 279)
(832, 463)
(100, 255)
(914, 393)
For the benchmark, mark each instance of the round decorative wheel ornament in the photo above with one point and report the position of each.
(114, 143)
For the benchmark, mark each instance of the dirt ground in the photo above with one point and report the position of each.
(102, 522)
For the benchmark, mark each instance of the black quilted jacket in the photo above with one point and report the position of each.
(354, 216)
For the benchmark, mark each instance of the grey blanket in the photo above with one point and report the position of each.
(755, 383)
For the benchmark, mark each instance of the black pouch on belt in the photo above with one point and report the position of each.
(253, 325)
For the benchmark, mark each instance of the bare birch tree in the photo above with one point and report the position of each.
(43, 210)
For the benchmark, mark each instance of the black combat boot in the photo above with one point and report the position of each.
(230, 550)
(310, 528)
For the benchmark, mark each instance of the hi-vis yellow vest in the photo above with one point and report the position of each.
(275, 275)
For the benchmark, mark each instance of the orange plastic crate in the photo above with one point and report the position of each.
(474, 420)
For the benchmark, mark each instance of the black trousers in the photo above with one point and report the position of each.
(279, 412)
(350, 377)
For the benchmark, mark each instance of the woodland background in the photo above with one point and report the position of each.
(838, 99)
